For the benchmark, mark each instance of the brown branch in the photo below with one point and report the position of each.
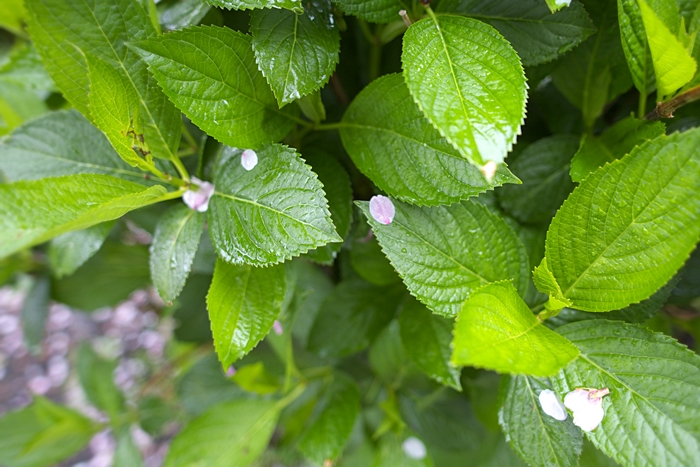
(666, 109)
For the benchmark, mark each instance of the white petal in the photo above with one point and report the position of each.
(489, 170)
(414, 448)
(198, 199)
(590, 417)
(382, 209)
(576, 400)
(551, 405)
(249, 159)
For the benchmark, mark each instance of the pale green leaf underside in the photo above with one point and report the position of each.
(444, 253)
(538, 438)
(496, 330)
(61, 143)
(65, 30)
(269, 214)
(295, 5)
(211, 75)
(614, 143)
(469, 82)
(626, 230)
(214, 440)
(296, 53)
(36, 211)
(376, 11)
(391, 142)
(535, 33)
(329, 432)
(673, 64)
(652, 415)
(426, 338)
(243, 303)
(174, 245)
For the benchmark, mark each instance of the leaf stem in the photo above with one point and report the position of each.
(642, 104)
(184, 175)
(328, 126)
(666, 109)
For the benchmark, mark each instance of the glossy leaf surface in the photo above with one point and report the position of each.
(444, 253)
(473, 87)
(295, 5)
(376, 11)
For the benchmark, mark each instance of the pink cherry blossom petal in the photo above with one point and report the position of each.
(277, 327)
(249, 159)
(198, 199)
(551, 405)
(382, 209)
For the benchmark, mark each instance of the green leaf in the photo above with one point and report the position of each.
(614, 143)
(126, 453)
(595, 72)
(352, 317)
(376, 11)
(674, 66)
(537, 437)
(626, 230)
(271, 213)
(544, 169)
(446, 59)
(191, 310)
(61, 143)
(69, 251)
(535, 33)
(183, 13)
(24, 68)
(388, 359)
(213, 440)
(97, 381)
(255, 378)
(65, 31)
(243, 303)
(174, 245)
(547, 284)
(113, 274)
(427, 338)
(12, 14)
(556, 5)
(336, 184)
(296, 53)
(391, 142)
(294, 5)
(368, 260)
(211, 75)
(205, 386)
(496, 330)
(18, 105)
(652, 415)
(444, 253)
(312, 107)
(42, 434)
(330, 430)
(38, 210)
(34, 313)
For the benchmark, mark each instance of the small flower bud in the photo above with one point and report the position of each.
(382, 209)
(551, 405)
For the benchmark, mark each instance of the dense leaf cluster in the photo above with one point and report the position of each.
(541, 214)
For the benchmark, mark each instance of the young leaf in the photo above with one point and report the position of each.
(213, 440)
(496, 330)
(595, 72)
(652, 414)
(243, 303)
(61, 143)
(391, 142)
(537, 437)
(174, 245)
(427, 338)
(113, 273)
(674, 66)
(376, 11)
(64, 31)
(296, 53)
(42, 433)
(352, 316)
(336, 184)
(445, 59)
(97, 381)
(626, 230)
(211, 75)
(268, 214)
(294, 5)
(535, 33)
(544, 169)
(444, 253)
(69, 251)
(614, 143)
(38, 210)
(330, 430)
